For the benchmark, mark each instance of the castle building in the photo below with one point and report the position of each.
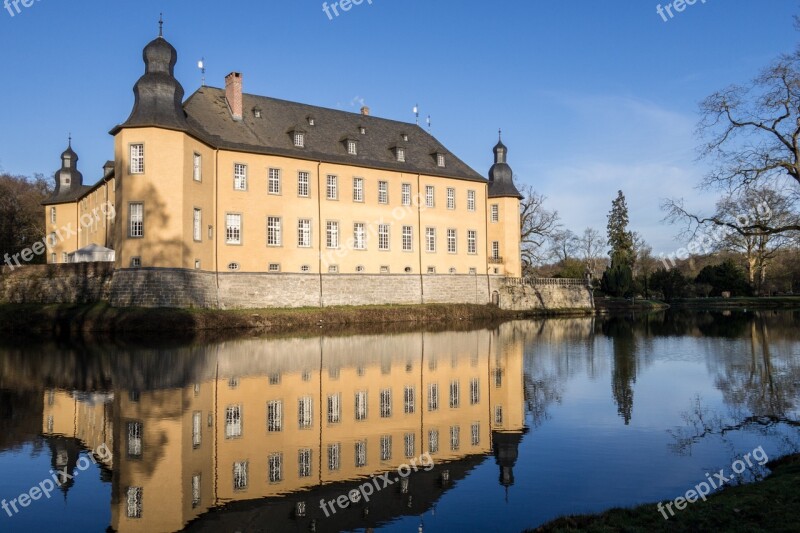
(235, 200)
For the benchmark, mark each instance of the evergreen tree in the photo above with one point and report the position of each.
(618, 278)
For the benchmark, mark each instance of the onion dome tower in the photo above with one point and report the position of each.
(159, 96)
(68, 178)
(501, 177)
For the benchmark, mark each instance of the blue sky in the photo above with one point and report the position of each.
(592, 96)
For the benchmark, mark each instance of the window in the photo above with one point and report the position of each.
(299, 139)
(53, 215)
(333, 269)
(406, 193)
(239, 177)
(233, 422)
(408, 239)
(240, 476)
(197, 435)
(352, 147)
(274, 181)
(386, 448)
(472, 241)
(451, 198)
(197, 167)
(440, 162)
(475, 431)
(135, 430)
(361, 454)
(332, 188)
(136, 262)
(302, 184)
(274, 231)
(334, 456)
(361, 405)
(359, 236)
(305, 412)
(430, 239)
(498, 377)
(409, 445)
(495, 250)
(304, 462)
(274, 416)
(233, 228)
(429, 196)
(362, 130)
(360, 268)
(275, 467)
(455, 394)
(401, 155)
(54, 259)
(358, 189)
(433, 441)
(197, 225)
(495, 210)
(470, 200)
(386, 403)
(455, 438)
(408, 400)
(304, 233)
(383, 237)
(196, 486)
(305, 268)
(433, 397)
(137, 159)
(233, 267)
(383, 192)
(451, 241)
(64, 257)
(134, 497)
(334, 408)
(474, 391)
(332, 234)
(311, 121)
(136, 220)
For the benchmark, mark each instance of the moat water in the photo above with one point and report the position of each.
(498, 429)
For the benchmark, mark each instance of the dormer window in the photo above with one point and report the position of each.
(257, 112)
(404, 136)
(362, 130)
(311, 121)
(352, 147)
(299, 139)
(440, 161)
(401, 155)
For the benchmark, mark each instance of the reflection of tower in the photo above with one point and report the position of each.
(64, 453)
(506, 452)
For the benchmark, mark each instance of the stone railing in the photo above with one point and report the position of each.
(496, 261)
(545, 282)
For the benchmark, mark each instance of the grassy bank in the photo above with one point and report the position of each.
(61, 320)
(624, 304)
(769, 505)
(772, 302)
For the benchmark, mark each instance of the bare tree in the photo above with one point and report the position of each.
(538, 226)
(752, 135)
(564, 245)
(590, 246)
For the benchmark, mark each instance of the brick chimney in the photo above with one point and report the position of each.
(233, 93)
(365, 111)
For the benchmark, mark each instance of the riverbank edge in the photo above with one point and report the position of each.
(767, 505)
(64, 319)
(767, 302)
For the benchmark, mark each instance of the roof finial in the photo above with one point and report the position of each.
(161, 25)
(500, 134)
(69, 143)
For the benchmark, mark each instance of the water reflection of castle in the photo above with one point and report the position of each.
(297, 420)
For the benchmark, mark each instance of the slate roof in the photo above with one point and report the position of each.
(209, 118)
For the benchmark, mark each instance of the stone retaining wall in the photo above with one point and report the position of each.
(64, 283)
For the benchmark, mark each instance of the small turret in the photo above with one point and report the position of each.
(501, 177)
(68, 178)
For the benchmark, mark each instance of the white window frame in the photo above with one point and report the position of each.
(305, 412)
(239, 177)
(408, 238)
(332, 234)
(386, 447)
(274, 416)
(383, 192)
(494, 211)
(304, 462)
(352, 147)
(197, 224)
(136, 220)
(401, 155)
(455, 394)
(233, 228)
(409, 398)
(474, 391)
(197, 429)
(360, 454)
(470, 200)
(452, 241)
(53, 215)
(334, 408)
(406, 193)
(361, 405)
(384, 232)
(332, 187)
(274, 181)
(334, 457)
(299, 139)
(240, 475)
(451, 198)
(137, 158)
(433, 441)
(275, 467)
(134, 502)
(440, 160)
(430, 240)
(455, 438)
(386, 403)
(303, 187)
(358, 190)
(433, 397)
(475, 431)
(274, 231)
(135, 440)
(197, 167)
(495, 250)
(233, 422)
(472, 241)
(359, 236)
(304, 233)
(430, 196)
